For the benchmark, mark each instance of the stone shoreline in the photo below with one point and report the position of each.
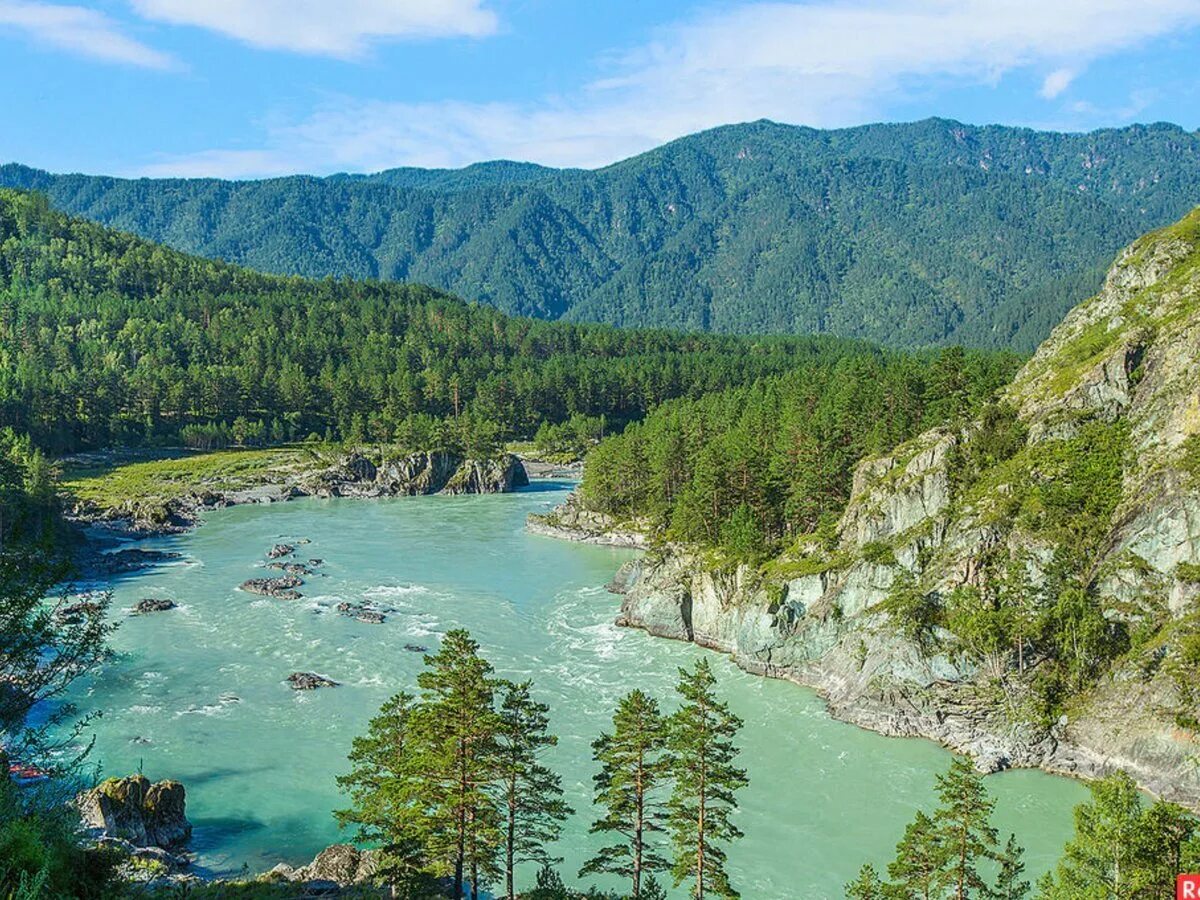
(669, 593)
(353, 475)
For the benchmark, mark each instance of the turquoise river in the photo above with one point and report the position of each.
(198, 693)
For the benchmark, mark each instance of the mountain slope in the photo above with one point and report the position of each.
(107, 340)
(930, 232)
(1024, 586)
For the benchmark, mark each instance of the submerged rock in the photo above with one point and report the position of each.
(135, 810)
(416, 648)
(362, 613)
(75, 613)
(280, 588)
(309, 681)
(134, 559)
(292, 568)
(152, 605)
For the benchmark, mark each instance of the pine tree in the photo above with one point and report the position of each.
(531, 793)
(963, 819)
(1121, 850)
(456, 729)
(631, 770)
(702, 755)
(1009, 884)
(867, 886)
(921, 856)
(652, 889)
(387, 790)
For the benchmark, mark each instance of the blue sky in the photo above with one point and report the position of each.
(249, 88)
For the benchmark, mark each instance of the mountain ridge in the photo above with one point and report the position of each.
(915, 234)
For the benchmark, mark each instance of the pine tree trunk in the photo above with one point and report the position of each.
(700, 836)
(639, 812)
(461, 853)
(510, 844)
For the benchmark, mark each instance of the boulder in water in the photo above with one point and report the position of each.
(152, 605)
(309, 681)
(74, 613)
(362, 612)
(280, 588)
(281, 550)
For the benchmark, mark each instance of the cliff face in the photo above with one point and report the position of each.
(1094, 456)
(431, 472)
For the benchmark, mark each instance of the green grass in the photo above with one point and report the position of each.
(112, 483)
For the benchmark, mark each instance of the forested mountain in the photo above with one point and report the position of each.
(109, 339)
(926, 233)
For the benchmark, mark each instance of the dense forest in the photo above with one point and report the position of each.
(108, 339)
(909, 235)
(746, 468)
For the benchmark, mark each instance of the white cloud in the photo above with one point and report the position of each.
(328, 27)
(79, 30)
(827, 63)
(1056, 82)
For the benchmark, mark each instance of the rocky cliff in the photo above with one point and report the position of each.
(137, 811)
(1081, 484)
(430, 472)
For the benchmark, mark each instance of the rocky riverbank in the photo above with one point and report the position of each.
(573, 521)
(146, 824)
(176, 505)
(871, 677)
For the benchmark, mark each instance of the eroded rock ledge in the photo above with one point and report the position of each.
(872, 678)
(573, 521)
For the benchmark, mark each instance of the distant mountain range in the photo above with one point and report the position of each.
(909, 234)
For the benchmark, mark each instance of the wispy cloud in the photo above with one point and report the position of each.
(1056, 82)
(343, 28)
(79, 30)
(825, 63)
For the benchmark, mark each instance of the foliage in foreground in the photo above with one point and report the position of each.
(451, 787)
(42, 650)
(1122, 849)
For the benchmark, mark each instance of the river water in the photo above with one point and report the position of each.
(198, 693)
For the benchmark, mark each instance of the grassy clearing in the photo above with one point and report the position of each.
(109, 481)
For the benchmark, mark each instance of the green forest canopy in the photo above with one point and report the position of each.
(107, 339)
(909, 235)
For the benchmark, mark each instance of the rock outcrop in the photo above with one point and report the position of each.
(573, 521)
(431, 472)
(339, 865)
(135, 810)
(353, 473)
